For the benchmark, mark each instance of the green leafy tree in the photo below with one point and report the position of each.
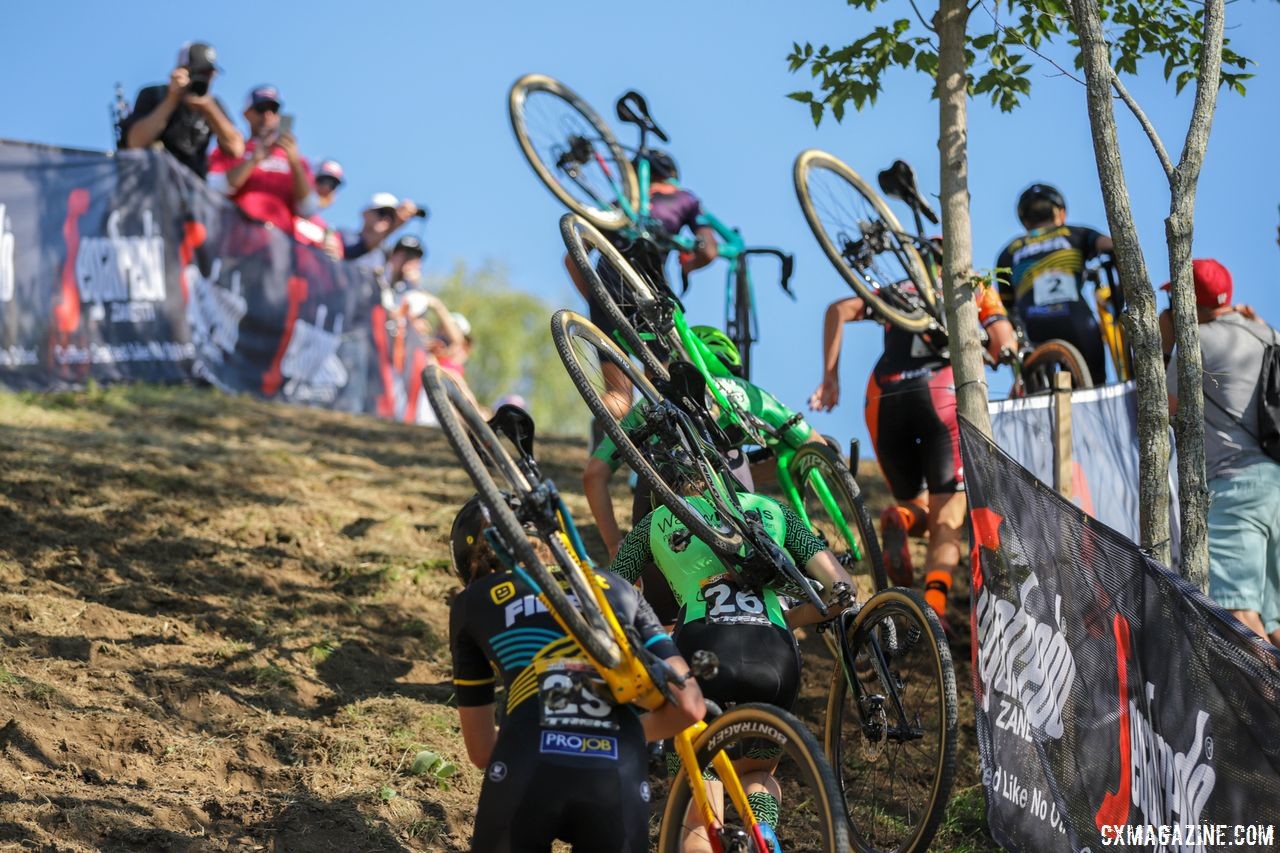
(513, 351)
(988, 49)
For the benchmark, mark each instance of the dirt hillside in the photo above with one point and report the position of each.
(223, 627)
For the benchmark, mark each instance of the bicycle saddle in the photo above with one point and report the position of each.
(517, 425)
(633, 109)
(899, 181)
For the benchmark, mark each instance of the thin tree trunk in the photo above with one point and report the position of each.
(1193, 493)
(1140, 312)
(957, 255)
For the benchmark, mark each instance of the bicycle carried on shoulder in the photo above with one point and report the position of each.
(573, 151)
(892, 710)
(895, 271)
(498, 456)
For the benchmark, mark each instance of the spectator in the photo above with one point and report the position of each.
(382, 216)
(1244, 515)
(403, 272)
(182, 116)
(314, 230)
(271, 180)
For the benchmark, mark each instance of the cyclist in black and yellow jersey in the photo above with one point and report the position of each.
(572, 769)
(748, 631)
(1044, 279)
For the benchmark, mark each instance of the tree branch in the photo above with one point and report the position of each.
(1023, 42)
(923, 22)
(1147, 126)
(1207, 83)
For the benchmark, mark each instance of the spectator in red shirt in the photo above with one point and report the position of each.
(272, 180)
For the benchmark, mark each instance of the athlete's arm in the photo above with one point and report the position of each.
(479, 732)
(808, 550)
(839, 312)
(1104, 245)
(706, 251)
(595, 485)
(634, 553)
(674, 717)
(576, 278)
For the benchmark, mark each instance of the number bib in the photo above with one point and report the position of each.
(1054, 286)
(728, 603)
(566, 699)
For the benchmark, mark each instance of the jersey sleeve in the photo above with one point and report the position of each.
(692, 213)
(473, 676)
(990, 308)
(1086, 239)
(1004, 277)
(651, 632)
(800, 542)
(634, 553)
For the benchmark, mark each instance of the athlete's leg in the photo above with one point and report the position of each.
(944, 472)
(946, 531)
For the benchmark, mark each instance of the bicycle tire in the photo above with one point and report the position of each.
(826, 461)
(635, 291)
(799, 749)
(876, 824)
(612, 219)
(1039, 365)
(918, 320)
(466, 431)
(567, 325)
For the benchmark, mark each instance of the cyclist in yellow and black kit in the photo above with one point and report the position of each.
(572, 770)
(1045, 285)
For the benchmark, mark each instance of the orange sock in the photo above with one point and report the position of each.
(937, 583)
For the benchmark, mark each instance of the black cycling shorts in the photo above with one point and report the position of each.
(758, 663)
(597, 800)
(1077, 326)
(915, 433)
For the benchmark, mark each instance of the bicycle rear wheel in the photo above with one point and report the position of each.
(641, 314)
(1050, 358)
(840, 516)
(891, 723)
(504, 487)
(572, 150)
(810, 817)
(668, 438)
(863, 239)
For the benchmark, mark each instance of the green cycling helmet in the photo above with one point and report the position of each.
(720, 345)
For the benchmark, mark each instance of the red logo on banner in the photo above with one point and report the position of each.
(1115, 806)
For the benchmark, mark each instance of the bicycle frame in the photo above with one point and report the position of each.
(1109, 320)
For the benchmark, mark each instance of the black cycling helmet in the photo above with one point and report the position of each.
(1038, 202)
(468, 529)
(662, 166)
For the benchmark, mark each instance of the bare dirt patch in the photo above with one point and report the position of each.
(223, 625)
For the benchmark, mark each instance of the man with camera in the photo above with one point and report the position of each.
(382, 216)
(183, 115)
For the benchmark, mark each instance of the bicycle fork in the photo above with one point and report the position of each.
(732, 788)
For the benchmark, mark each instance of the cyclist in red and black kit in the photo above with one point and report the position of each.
(572, 770)
(911, 415)
(1044, 285)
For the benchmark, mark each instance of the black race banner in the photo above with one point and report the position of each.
(1117, 707)
(125, 266)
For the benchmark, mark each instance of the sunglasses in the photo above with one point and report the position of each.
(385, 213)
(326, 181)
(267, 107)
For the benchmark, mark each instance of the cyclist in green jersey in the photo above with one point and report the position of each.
(749, 632)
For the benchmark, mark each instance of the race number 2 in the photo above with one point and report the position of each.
(1055, 286)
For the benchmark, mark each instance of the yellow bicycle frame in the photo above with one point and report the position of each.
(1112, 334)
(630, 682)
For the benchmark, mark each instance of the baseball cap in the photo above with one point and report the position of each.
(1213, 283)
(381, 200)
(410, 244)
(464, 325)
(263, 94)
(330, 169)
(199, 58)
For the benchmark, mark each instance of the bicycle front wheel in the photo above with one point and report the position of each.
(673, 445)
(891, 723)
(863, 239)
(572, 150)
(809, 819)
(835, 509)
(642, 315)
(503, 487)
(1052, 357)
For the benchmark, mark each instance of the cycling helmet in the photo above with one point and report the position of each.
(662, 166)
(468, 530)
(1038, 201)
(720, 345)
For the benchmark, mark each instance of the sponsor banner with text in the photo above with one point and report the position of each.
(1111, 697)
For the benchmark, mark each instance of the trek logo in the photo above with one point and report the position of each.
(528, 605)
(583, 746)
(1168, 787)
(1026, 659)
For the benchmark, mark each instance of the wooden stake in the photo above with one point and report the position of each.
(1062, 462)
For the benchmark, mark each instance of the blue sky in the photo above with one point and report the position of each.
(411, 98)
